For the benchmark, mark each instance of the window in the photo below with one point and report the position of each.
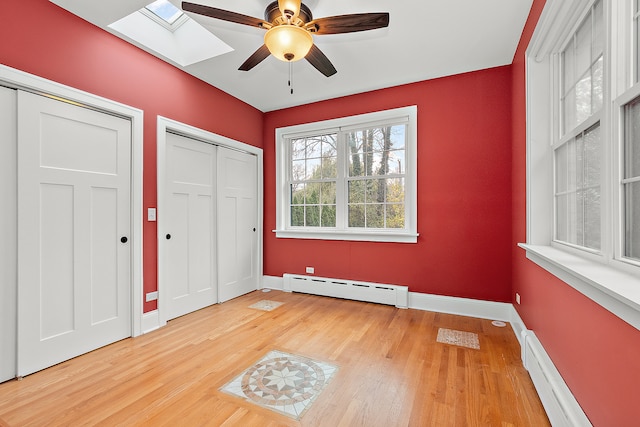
(349, 179)
(165, 13)
(583, 149)
(577, 155)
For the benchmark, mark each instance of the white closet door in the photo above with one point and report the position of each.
(237, 223)
(8, 258)
(74, 261)
(189, 256)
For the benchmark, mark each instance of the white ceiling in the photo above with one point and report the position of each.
(425, 39)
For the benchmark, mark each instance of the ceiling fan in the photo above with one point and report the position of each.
(289, 25)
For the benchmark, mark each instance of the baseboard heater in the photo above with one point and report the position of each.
(561, 406)
(348, 289)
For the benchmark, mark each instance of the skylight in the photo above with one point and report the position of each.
(165, 11)
(165, 30)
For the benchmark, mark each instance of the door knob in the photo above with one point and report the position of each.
(168, 236)
(124, 239)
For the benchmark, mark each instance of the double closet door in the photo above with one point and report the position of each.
(209, 246)
(66, 222)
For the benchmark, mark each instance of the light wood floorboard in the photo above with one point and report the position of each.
(392, 372)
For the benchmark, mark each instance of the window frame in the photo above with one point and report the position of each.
(408, 234)
(605, 276)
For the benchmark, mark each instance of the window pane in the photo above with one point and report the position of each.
(356, 191)
(298, 170)
(375, 216)
(598, 84)
(328, 218)
(598, 30)
(298, 147)
(374, 192)
(581, 71)
(314, 145)
(328, 193)
(297, 194)
(592, 218)
(632, 220)
(313, 169)
(395, 190)
(632, 139)
(297, 216)
(397, 162)
(592, 157)
(562, 232)
(632, 170)
(561, 169)
(329, 146)
(356, 216)
(356, 164)
(583, 98)
(569, 110)
(583, 46)
(578, 165)
(395, 216)
(312, 194)
(312, 216)
(329, 167)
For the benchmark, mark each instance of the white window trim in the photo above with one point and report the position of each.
(604, 277)
(408, 235)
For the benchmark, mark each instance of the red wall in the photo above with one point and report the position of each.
(45, 40)
(597, 353)
(464, 192)
(471, 188)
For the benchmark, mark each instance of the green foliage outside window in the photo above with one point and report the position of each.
(374, 181)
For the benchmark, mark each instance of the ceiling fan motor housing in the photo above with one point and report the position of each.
(272, 13)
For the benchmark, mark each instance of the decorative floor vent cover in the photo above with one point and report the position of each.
(266, 305)
(282, 382)
(459, 338)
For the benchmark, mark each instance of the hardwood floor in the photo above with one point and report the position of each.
(392, 372)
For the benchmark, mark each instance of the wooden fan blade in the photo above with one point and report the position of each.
(350, 23)
(222, 14)
(320, 61)
(257, 57)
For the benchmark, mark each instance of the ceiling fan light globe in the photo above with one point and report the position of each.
(288, 43)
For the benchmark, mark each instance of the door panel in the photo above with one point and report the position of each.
(74, 292)
(237, 223)
(189, 259)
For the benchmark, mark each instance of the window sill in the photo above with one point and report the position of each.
(393, 237)
(614, 290)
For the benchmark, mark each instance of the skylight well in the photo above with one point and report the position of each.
(165, 30)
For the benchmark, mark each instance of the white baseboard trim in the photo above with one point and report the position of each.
(150, 321)
(561, 406)
(518, 326)
(461, 306)
(273, 282)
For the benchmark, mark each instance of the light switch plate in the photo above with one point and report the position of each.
(151, 214)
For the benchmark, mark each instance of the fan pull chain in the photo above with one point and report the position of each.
(291, 76)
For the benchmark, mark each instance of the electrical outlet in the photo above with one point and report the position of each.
(310, 270)
(517, 298)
